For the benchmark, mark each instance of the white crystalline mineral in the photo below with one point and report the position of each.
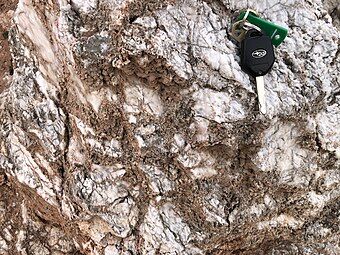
(128, 127)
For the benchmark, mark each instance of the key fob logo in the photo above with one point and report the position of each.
(259, 53)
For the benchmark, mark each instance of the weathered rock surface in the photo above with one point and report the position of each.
(128, 127)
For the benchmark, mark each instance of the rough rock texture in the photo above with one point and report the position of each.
(6, 70)
(128, 127)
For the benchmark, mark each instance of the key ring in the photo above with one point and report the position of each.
(236, 31)
(246, 15)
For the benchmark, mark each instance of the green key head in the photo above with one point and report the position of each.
(276, 33)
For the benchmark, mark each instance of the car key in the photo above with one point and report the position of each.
(257, 58)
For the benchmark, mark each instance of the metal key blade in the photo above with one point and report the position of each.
(261, 94)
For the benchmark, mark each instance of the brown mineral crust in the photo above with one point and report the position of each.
(257, 211)
(6, 68)
(10, 201)
(37, 217)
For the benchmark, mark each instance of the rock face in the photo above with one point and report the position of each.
(128, 127)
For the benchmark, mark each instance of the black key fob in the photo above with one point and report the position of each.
(257, 53)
